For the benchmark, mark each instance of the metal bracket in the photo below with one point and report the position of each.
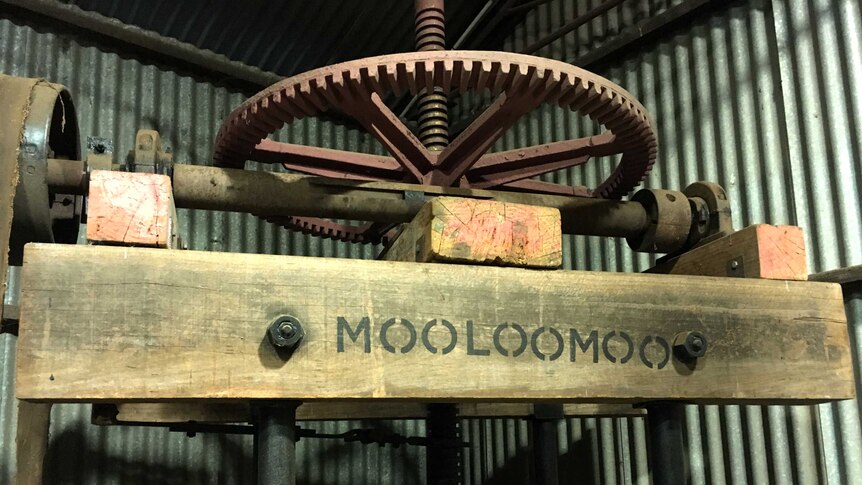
(148, 155)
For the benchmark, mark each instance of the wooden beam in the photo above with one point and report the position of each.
(758, 251)
(186, 325)
(207, 412)
(844, 276)
(451, 229)
(131, 208)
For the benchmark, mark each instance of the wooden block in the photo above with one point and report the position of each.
(758, 251)
(451, 229)
(207, 412)
(393, 330)
(131, 208)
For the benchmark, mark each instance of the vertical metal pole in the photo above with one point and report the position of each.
(443, 453)
(443, 428)
(667, 455)
(546, 448)
(275, 443)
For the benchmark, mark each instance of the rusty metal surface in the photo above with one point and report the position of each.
(432, 104)
(522, 83)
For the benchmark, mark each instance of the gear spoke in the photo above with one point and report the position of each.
(540, 187)
(381, 122)
(502, 176)
(504, 167)
(456, 159)
(327, 162)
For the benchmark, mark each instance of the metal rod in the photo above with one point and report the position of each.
(523, 7)
(66, 176)
(546, 448)
(443, 453)
(198, 187)
(667, 456)
(632, 35)
(574, 24)
(275, 443)
(268, 193)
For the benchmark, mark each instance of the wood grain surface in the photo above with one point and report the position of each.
(114, 324)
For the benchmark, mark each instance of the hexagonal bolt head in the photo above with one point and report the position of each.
(285, 332)
(688, 346)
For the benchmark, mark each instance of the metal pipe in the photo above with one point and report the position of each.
(574, 24)
(667, 456)
(443, 453)
(66, 176)
(268, 193)
(523, 7)
(546, 448)
(275, 443)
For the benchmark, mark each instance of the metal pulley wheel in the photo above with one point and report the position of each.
(521, 84)
(39, 123)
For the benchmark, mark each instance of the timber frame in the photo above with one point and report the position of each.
(157, 335)
(162, 336)
(187, 325)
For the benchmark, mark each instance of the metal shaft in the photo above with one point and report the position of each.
(444, 462)
(546, 443)
(444, 450)
(266, 193)
(275, 443)
(667, 456)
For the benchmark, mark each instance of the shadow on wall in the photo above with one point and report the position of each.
(97, 465)
(574, 466)
(74, 459)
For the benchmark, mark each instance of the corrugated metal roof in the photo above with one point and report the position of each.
(286, 36)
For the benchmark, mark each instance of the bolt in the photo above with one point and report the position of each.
(734, 264)
(285, 332)
(688, 346)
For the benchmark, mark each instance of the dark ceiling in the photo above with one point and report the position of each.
(291, 36)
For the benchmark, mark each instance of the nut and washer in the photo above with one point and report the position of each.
(285, 332)
(688, 346)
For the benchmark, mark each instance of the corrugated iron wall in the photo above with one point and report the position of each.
(115, 97)
(762, 96)
(766, 99)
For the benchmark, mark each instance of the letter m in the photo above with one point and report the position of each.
(364, 327)
(576, 342)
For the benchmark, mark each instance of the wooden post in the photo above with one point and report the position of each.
(454, 230)
(31, 440)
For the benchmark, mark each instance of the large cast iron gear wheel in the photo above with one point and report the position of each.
(521, 83)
